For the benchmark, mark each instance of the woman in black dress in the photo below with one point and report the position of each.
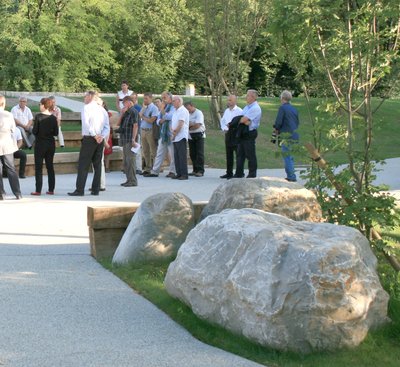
(45, 128)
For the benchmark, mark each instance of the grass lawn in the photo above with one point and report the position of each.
(381, 348)
(385, 140)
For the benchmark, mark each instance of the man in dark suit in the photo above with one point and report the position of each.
(247, 139)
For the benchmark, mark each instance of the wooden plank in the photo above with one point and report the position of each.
(67, 163)
(104, 242)
(110, 217)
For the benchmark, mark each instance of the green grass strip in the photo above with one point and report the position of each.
(381, 348)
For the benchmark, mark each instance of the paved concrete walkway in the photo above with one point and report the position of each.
(73, 105)
(59, 307)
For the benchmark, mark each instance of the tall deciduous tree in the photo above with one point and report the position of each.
(355, 44)
(231, 32)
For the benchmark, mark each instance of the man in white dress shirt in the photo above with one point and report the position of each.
(230, 142)
(24, 120)
(197, 130)
(180, 133)
(95, 129)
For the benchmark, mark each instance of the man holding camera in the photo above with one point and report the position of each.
(287, 122)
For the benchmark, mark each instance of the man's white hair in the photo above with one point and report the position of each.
(286, 96)
(253, 92)
(178, 97)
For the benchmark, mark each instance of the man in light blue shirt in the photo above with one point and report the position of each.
(247, 135)
(165, 147)
(148, 115)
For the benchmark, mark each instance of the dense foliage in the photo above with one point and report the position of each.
(73, 45)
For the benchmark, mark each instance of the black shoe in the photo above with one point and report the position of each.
(251, 176)
(139, 172)
(18, 197)
(22, 176)
(226, 176)
(192, 173)
(237, 176)
(76, 193)
(128, 185)
(198, 174)
(176, 177)
(171, 175)
(152, 175)
(289, 180)
(183, 178)
(95, 193)
(99, 189)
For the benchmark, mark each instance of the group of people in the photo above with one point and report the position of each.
(240, 127)
(160, 128)
(148, 134)
(18, 126)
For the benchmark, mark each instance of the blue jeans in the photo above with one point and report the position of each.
(289, 162)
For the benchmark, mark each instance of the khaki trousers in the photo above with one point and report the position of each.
(149, 149)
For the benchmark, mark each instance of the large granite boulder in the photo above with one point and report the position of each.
(270, 194)
(289, 285)
(157, 230)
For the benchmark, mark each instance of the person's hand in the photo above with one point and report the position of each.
(99, 139)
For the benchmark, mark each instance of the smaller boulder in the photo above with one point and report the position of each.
(157, 229)
(269, 194)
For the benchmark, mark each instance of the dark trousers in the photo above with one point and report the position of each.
(21, 155)
(91, 153)
(196, 152)
(44, 150)
(8, 161)
(180, 155)
(247, 150)
(231, 152)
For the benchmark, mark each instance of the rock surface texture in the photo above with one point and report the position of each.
(269, 194)
(157, 230)
(289, 285)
